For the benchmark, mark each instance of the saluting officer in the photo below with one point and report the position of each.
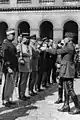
(10, 66)
(67, 73)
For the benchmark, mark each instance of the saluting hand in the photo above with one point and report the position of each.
(10, 70)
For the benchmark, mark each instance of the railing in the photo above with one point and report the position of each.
(46, 1)
(71, 0)
(4, 1)
(23, 1)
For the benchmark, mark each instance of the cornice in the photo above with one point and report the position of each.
(45, 8)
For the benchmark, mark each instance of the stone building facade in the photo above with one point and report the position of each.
(51, 18)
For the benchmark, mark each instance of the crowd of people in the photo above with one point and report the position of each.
(32, 62)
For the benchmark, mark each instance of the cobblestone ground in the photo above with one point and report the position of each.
(39, 107)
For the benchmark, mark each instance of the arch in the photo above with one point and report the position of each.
(3, 28)
(23, 27)
(71, 26)
(46, 29)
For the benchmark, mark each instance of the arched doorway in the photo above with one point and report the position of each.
(71, 26)
(46, 29)
(23, 27)
(3, 28)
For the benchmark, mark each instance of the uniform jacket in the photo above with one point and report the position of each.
(67, 69)
(9, 56)
(26, 67)
(35, 56)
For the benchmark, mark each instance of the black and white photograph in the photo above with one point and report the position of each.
(39, 59)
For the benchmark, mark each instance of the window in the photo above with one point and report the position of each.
(71, 0)
(23, 1)
(46, 1)
(4, 1)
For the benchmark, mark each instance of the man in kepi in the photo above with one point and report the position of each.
(10, 66)
(67, 73)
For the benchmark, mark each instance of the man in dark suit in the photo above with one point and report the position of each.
(10, 66)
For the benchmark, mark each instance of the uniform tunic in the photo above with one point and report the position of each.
(67, 69)
(10, 60)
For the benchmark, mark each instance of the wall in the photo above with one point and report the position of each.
(57, 18)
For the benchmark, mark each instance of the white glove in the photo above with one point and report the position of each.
(43, 48)
(10, 70)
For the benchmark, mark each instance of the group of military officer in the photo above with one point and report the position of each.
(26, 64)
(31, 61)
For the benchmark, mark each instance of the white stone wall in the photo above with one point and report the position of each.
(57, 18)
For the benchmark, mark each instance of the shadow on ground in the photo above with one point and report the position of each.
(22, 108)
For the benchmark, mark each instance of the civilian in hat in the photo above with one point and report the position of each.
(24, 67)
(10, 67)
(34, 62)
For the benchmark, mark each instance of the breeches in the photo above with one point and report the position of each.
(68, 87)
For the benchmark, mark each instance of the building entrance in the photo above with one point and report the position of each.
(3, 28)
(71, 26)
(46, 30)
(23, 27)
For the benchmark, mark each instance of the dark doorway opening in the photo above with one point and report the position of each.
(3, 28)
(23, 27)
(46, 30)
(71, 26)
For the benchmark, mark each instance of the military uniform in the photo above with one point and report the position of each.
(34, 64)
(10, 66)
(24, 68)
(67, 72)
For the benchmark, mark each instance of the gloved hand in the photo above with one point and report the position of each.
(10, 70)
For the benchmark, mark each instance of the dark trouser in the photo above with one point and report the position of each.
(69, 91)
(48, 76)
(44, 79)
(22, 83)
(60, 88)
(32, 80)
(54, 74)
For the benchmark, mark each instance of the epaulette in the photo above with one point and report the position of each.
(5, 41)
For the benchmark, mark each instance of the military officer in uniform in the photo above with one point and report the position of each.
(24, 66)
(34, 62)
(67, 72)
(10, 67)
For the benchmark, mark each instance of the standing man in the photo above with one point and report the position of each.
(67, 73)
(10, 66)
(24, 66)
(34, 61)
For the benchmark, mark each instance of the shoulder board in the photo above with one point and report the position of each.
(5, 41)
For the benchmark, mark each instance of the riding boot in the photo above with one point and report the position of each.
(60, 94)
(77, 105)
(65, 107)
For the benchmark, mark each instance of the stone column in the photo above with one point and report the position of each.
(57, 34)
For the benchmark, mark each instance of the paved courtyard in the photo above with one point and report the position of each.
(39, 107)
